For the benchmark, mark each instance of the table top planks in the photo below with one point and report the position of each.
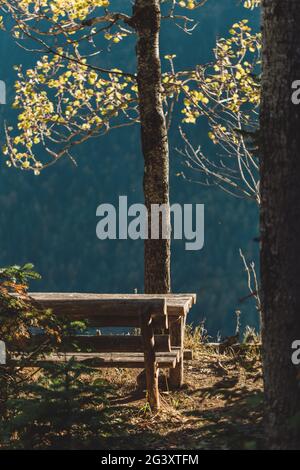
(176, 304)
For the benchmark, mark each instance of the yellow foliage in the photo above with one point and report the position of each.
(72, 9)
(63, 100)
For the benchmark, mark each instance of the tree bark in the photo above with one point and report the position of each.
(280, 220)
(146, 20)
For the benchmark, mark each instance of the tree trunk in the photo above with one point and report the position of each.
(146, 19)
(280, 217)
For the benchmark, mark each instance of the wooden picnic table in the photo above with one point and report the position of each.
(160, 317)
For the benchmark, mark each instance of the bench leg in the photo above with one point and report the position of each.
(150, 362)
(177, 338)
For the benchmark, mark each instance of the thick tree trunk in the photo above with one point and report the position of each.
(146, 17)
(280, 220)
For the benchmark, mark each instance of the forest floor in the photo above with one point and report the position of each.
(219, 407)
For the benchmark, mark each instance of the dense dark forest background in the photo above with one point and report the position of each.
(50, 220)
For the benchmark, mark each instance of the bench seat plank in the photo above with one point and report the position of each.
(126, 360)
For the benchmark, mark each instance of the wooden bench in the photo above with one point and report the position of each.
(150, 313)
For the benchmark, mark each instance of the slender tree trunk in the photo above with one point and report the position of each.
(147, 17)
(280, 220)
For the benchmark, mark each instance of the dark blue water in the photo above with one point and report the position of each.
(50, 220)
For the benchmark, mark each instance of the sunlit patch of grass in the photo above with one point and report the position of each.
(195, 337)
